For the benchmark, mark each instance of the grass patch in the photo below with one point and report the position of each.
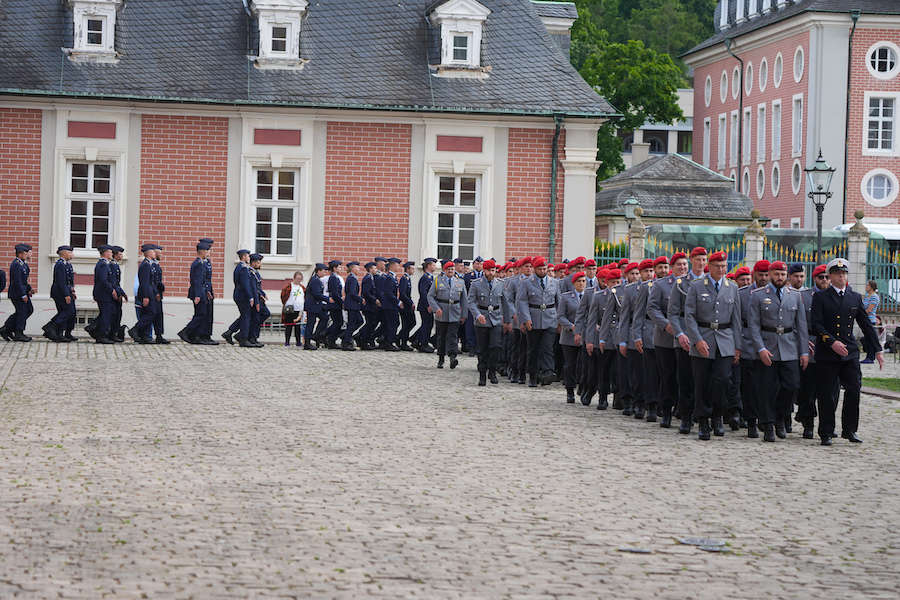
(884, 383)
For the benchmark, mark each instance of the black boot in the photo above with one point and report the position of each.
(161, 340)
(586, 398)
(639, 412)
(651, 413)
(627, 411)
(226, 335)
(532, 380)
(779, 429)
(787, 425)
(617, 402)
(492, 377)
(307, 345)
(185, 337)
(51, 332)
(602, 403)
(752, 431)
(453, 362)
(245, 343)
(482, 378)
(331, 344)
(120, 334)
(102, 339)
(718, 426)
(68, 337)
(735, 422)
(90, 329)
(5, 333)
(19, 336)
(686, 425)
(704, 430)
(808, 433)
(348, 346)
(666, 420)
(440, 364)
(769, 432)
(570, 395)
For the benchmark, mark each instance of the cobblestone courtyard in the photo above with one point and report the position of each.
(145, 471)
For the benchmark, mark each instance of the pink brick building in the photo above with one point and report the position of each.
(771, 89)
(304, 131)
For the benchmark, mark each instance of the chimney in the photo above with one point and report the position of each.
(640, 151)
(558, 18)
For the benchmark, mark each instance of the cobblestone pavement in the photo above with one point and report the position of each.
(176, 472)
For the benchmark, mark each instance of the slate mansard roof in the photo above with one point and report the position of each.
(364, 54)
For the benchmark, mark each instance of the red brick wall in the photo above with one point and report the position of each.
(183, 181)
(367, 176)
(528, 193)
(859, 165)
(20, 185)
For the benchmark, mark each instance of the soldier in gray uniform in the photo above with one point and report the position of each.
(604, 358)
(632, 365)
(747, 363)
(712, 316)
(537, 299)
(663, 336)
(642, 333)
(447, 299)
(683, 344)
(587, 382)
(491, 314)
(570, 303)
(608, 342)
(777, 323)
(806, 395)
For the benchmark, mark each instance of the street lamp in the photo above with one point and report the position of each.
(818, 181)
(631, 203)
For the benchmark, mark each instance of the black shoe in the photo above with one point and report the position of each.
(787, 425)
(627, 412)
(226, 335)
(602, 404)
(161, 340)
(808, 433)
(185, 337)
(5, 333)
(826, 441)
(651, 414)
(453, 362)
(309, 346)
(406, 348)
(386, 348)
(779, 430)
(440, 364)
(492, 377)
(685, 427)
(208, 341)
(50, 332)
(570, 396)
(133, 334)
(68, 337)
(245, 343)
(18, 336)
(586, 398)
(532, 381)
(718, 427)
(349, 347)
(426, 349)
(752, 431)
(90, 329)
(851, 437)
(769, 432)
(704, 430)
(522, 380)
(103, 340)
(665, 421)
(547, 378)
(332, 345)
(617, 403)
(734, 422)
(482, 378)
(639, 413)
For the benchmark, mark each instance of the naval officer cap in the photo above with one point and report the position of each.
(118, 249)
(23, 247)
(836, 265)
(242, 252)
(353, 263)
(319, 266)
(64, 248)
(429, 260)
(380, 259)
(256, 256)
(334, 264)
(148, 247)
(408, 264)
(209, 241)
(393, 260)
(103, 248)
(203, 245)
(478, 259)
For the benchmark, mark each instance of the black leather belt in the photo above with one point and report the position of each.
(715, 326)
(491, 307)
(778, 330)
(449, 301)
(542, 306)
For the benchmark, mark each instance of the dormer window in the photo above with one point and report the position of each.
(94, 26)
(279, 33)
(461, 23)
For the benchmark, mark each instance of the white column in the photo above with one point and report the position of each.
(857, 244)
(580, 172)
(753, 240)
(637, 237)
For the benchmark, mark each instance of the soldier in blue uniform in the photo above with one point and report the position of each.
(242, 296)
(207, 333)
(422, 336)
(62, 291)
(335, 314)
(261, 313)
(104, 295)
(353, 303)
(408, 309)
(388, 287)
(371, 307)
(117, 330)
(148, 296)
(20, 293)
(158, 316)
(837, 351)
(200, 293)
(316, 306)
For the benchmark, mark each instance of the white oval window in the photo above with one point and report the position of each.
(745, 182)
(760, 182)
(796, 177)
(879, 187)
(776, 180)
(798, 64)
(748, 79)
(883, 60)
(778, 70)
(736, 83)
(707, 90)
(763, 74)
(723, 87)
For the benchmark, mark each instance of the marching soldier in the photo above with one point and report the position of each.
(261, 313)
(631, 358)
(749, 385)
(407, 308)
(243, 298)
(777, 323)
(837, 351)
(62, 291)
(335, 309)
(476, 273)
(19, 294)
(104, 295)
(712, 317)
(570, 303)
(806, 395)
(683, 348)
(371, 307)
(491, 314)
(207, 332)
(160, 286)
(423, 333)
(316, 306)
(200, 293)
(642, 329)
(664, 342)
(148, 297)
(117, 330)
(589, 362)
(537, 299)
(353, 302)
(606, 357)
(448, 301)
(388, 288)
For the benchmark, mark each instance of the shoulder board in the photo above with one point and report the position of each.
(569, 293)
(754, 290)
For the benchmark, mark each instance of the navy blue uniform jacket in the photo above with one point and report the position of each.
(63, 280)
(316, 301)
(832, 319)
(353, 300)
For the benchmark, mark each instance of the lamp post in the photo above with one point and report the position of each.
(818, 181)
(630, 204)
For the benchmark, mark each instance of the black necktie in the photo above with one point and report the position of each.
(779, 294)
(542, 283)
(490, 286)
(717, 286)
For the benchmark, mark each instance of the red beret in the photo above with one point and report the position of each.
(612, 265)
(718, 256)
(577, 276)
(488, 264)
(819, 269)
(623, 262)
(778, 266)
(578, 261)
(590, 263)
(631, 266)
(526, 260)
(730, 275)
(602, 273)
(448, 263)
(538, 261)
(613, 274)
(661, 260)
(677, 256)
(562, 267)
(698, 251)
(551, 267)
(761, 266)
(742, 271)
(647, 263)
(706, 269)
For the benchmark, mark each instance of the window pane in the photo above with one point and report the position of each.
(446, 183)
(78, 240)
(445, 252)
(285, 193)
(264, 177)
(286, 178)
(285, 231)
(285, 247)
(285, 215)
(95, 38)
(264, 192)
(101, 209)
(466, 252)
(101, 186)
(79, 207)
(279, 45)
(101, 171)
(263, 214)
(445, 236)
(466, 236)
(78, 224)
(467, 198)
(458, 54)
(101, 225)
(79, 185)
(467, 184)
(263, 246)
(95, 25)
(79, 170)
(445, 198)
(99, 239)
(467, 221)
(445, 220)
(263, 230)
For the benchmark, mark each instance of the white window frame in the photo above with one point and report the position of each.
(734, 179)
(723, 86)
(775, 179)
(91, 197)
(760, 188)
(722, 141)
(777, 77)
(707, 91)
(795, 222)
(466, 35)
(274, 204)
(763, 74)
(84, 11)
(761, 123)
(748, 78)
(747, 136)
(286, 39)
(457, 210)
(460, 18)
(796, 125)
(776, 129)
(745, 182)
(796, 183)
(798, 76)
(279, 13)
(893, 150)
(879, 202)
(775, 224)
(733, 146)
(707, 132)
(886, 74)
(735, 83)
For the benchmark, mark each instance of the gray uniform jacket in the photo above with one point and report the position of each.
(599, 301)
(565, 284)
(568, 309)
(537, 304)
(488, 298)
(509, 292)
(642, 327)
(658, 310)
(747, 350)
(609, 326)
(627, 317)
(806, 294)
(677, 300)
(705, 310)
(581, 315)
(769, 316)
(449, 295)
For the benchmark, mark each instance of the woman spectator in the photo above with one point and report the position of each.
(292, 297)
(870, 303)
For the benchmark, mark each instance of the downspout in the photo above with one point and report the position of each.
(554, 158)
(854, 15)
(740, 156)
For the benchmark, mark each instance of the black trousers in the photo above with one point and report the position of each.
(710, 382)
(315, 325)
(64, 319)
(733, 396)
(685, 384)
(606, 361)
(407, 322)
(196, 327)
(489, 341)
(623, 379)
(540, 351)
(668, 380)
(258, 318)
(23, 310)
(367, 333)
(150, 316)
(209, 319)
(390, 321)
(117, 316)
(559, 360)
(829, 373)
(336, 324)
(635, 362)
(775, 389)
(571, 356)
(103, 322)
(423, 333)
(749, 389)
(649, 379)
(522, 354)
(294, 328)
(354, 321)
(447, 338)
(806, 395)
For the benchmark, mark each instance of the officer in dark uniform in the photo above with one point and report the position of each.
(315, 304)
(62, 291)
(408, 309)
(200, 293)
(388, 287)
(335, 312)
(353, 303)
(104, 295)
(207, 332)
(147, 296)
(261, 314)
(423, 333)
(837, 352)
(159, 315)
(242, 295)
(20, 293)
(117, 330)
(371, 307)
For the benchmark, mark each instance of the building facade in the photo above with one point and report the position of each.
(771, 89)
(656, 139)
(301, 131)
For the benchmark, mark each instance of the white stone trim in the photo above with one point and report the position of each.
(796, 122)
(863, 188)
(735, 82)
(776, 78)
(763, 74)
(723, 86)
(777, 127)
(866, 151)
(707, 135)
(748, 78)
(760, 189)
(797, 184)
(707, 91)
(878, 74)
